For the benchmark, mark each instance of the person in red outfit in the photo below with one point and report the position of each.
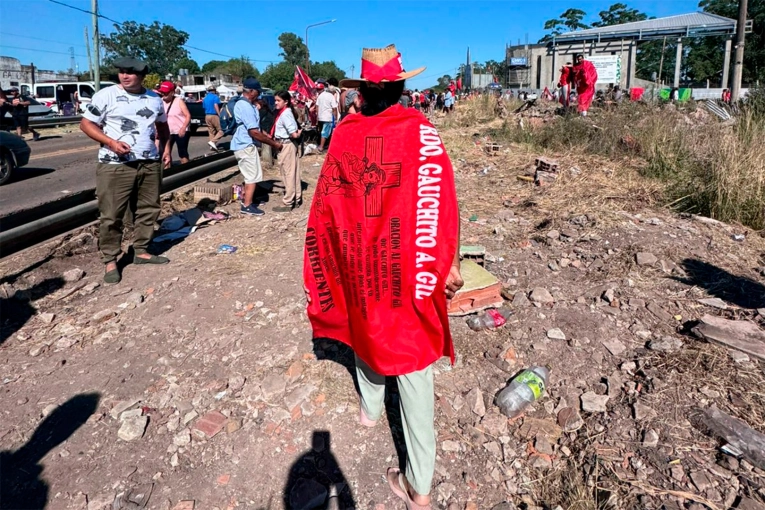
(381, 258)
(585, 77)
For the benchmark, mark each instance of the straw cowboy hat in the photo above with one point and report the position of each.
(380, 65)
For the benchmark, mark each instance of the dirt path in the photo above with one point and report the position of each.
(245, 410)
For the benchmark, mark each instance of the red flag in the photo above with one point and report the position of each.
(380, 240)
(459, 83)
(302, 84)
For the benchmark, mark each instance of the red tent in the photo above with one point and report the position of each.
(302, 84)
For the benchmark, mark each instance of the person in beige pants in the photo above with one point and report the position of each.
(286, 131)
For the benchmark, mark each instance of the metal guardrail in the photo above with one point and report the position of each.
(45, 122)
(26, 228)
(42, 122)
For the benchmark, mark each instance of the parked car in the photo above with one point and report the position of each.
(36, 110)
(14, 153)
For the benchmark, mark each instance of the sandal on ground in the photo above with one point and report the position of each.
(112, 276)
(154, 259)
(396, 482)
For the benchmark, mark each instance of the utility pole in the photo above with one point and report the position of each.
(90, 59)
(96, 48)
(738, 66)
(353, 68)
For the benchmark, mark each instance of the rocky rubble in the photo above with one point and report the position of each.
(213, 395)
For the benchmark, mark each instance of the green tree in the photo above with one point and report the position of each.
(569, 21)
(327, 70)
(239, 68)
(213, 66)
(711, 49)
(294, 51)
(618, 14)
(278, 76)
(444, 81)
(159, 45)
(186, 63)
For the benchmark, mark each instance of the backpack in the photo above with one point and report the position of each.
(228, 123)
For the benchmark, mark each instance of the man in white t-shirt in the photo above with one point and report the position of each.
(126, 119)
(326, 105)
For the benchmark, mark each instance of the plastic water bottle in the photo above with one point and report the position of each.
(492, 319)
(527, 387)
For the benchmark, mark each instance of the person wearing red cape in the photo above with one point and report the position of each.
(584, 77)
(381, 258)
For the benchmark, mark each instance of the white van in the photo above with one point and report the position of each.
(55, 93)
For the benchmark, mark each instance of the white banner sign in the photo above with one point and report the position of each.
(609, 68)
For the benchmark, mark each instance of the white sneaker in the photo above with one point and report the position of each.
(212, 145)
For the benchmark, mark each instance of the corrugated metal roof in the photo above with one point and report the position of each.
(681, 22)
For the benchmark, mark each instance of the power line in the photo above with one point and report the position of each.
(40, 51)
(85, 11)
(184, 45)
(40, 39)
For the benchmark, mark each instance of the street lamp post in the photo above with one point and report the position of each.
(307, 52)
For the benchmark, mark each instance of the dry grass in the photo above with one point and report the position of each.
(692, 161)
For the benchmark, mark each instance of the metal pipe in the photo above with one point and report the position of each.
(44, 229)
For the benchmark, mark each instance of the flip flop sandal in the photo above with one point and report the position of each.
(396, 483)
(112, 276)
(151, 260)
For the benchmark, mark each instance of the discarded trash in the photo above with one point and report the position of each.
(221, 193)
(473, 218)
(238, 190)
(481, 290)
(741, 436)
(475, 253)
(492, 319)
(738, 237)
(546, 171)
(226, 248)
(528, 387)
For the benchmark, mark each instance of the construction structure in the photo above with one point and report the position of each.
(13, 73)
(613, 49)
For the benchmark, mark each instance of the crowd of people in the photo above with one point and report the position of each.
(371, 157)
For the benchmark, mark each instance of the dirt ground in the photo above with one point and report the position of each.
(198, 381)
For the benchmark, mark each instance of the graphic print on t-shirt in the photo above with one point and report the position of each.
(128, 118)
(355, 176)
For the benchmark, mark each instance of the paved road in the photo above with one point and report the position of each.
(61, 164)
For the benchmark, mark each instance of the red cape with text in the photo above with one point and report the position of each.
(585, 76)
(380, 240)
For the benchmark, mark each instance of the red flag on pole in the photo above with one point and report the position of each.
(302, 84)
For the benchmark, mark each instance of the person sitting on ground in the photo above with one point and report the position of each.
(385, 169)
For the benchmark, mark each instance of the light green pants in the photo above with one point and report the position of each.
(417, 403)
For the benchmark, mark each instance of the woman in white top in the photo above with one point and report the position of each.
(286, 131)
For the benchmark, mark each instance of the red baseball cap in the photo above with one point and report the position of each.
(166, 87)
(320, 86)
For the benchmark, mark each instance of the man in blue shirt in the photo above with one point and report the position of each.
(244, 143)
(211, 104)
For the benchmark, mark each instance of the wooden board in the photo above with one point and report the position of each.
(744, 336)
